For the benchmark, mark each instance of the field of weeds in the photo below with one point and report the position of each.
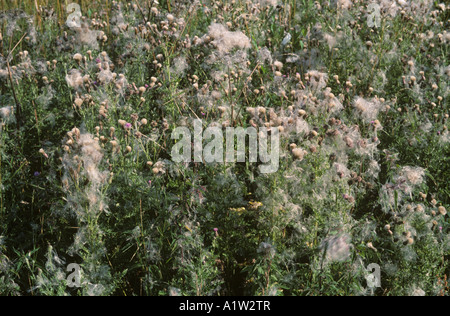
(98, 98)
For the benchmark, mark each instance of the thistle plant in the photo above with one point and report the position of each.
(350, 96)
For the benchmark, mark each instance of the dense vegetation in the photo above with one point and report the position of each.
(88, 103)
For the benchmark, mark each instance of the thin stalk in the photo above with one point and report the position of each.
(268, 276)
(19, 111)
(107, 16)
(58, 10)
(142, 12)
(231, 98)
(38, 15)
